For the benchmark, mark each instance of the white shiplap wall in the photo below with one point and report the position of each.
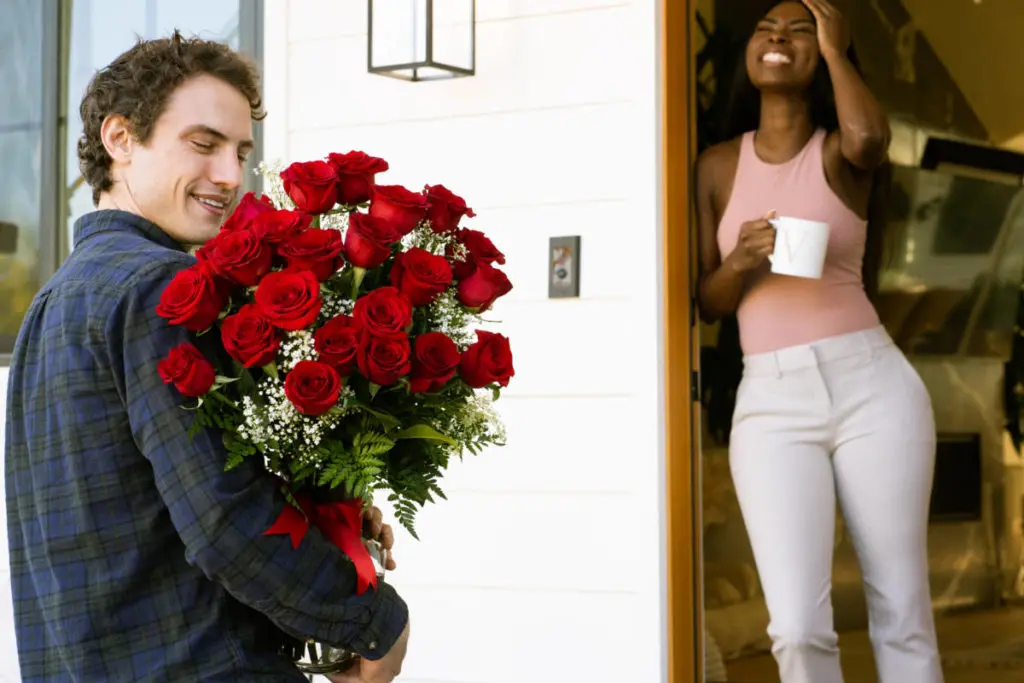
(519, 576)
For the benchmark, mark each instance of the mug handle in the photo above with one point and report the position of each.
(772, 222)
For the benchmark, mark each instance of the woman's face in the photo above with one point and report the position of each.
(783, 55)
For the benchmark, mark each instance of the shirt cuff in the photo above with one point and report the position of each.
(389, 615)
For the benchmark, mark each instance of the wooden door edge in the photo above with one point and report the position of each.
(685, 635)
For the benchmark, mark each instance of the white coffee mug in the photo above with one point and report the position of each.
(800, 247)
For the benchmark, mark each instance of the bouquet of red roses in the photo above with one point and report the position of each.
(349, 360)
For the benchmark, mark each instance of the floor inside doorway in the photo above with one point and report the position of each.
(977, 647)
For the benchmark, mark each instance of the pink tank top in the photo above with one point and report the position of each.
(778, 311)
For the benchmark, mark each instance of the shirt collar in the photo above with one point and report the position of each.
(114, 220)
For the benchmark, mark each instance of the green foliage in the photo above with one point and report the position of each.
(237, 450)
(355, 469)
(382, 438)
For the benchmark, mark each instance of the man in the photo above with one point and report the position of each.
(134, 556)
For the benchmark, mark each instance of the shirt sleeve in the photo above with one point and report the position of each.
(221, 516)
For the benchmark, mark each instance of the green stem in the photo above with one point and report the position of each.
(357, 279)
(222, 398)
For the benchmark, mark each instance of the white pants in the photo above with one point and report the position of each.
(846, 416)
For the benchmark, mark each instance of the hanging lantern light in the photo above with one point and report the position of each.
(421, 40)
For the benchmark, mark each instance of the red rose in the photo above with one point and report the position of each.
(277, 227)
(312, 387)
(435, 359)
(488, 361)
(368, 240)
(240, 256)
(316, 249)
(249, 337)
(480, 249)
(384, 312)
(483, 287)
(312, 185)
(383, 361)
(204, 252)
(187, 368)
(398, 205)
(356, 172)
(193, 299)
(289, 298)
(445, 209)
(248, 208)
(337, 342)
(420, 275)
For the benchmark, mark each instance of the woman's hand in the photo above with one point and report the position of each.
(833, 31)
(755, 243)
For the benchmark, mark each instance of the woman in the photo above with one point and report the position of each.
(828, 406)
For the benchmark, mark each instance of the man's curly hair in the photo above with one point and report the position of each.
(138, 84)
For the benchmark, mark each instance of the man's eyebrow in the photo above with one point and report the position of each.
(214, 133)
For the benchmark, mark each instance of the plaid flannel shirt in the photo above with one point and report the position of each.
(134, 556)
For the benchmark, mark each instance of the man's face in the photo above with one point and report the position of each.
(186, 178)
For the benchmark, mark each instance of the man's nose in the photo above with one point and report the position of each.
(227, 169)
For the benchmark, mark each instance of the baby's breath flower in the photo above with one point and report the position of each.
(274, 426)
(334, 304)
(447, 315)
(297, 346)
(274, 186)
(425, 238)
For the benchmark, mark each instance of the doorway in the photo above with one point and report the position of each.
(950, 295)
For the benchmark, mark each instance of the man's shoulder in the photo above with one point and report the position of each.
(118, 263)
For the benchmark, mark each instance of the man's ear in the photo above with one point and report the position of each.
(116, 133)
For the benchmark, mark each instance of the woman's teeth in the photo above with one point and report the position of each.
(776, 58)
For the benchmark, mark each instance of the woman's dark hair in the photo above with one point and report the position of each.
(138, 85)
(742, 112)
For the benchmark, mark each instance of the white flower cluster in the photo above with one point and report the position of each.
(273, 185)
(482, 412)
(334, 304)
(336, 221)
(451, 317)
(269, 420)
(425, 238)
(297, 346)
(474, 421)
(271, 423)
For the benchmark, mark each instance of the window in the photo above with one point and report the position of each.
(100, 30)
(50, 49)
(23, 163)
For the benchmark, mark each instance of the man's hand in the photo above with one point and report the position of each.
(384, 670)
(377, 530)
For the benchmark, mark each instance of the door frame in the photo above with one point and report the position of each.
(683, 520)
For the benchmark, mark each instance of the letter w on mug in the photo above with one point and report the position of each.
(800, 247)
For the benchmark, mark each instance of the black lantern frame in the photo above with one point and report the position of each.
(410, 71)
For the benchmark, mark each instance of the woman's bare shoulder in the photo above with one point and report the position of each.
(724, 153)
(716, 171)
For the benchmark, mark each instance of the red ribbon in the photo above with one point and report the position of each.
(341, 523)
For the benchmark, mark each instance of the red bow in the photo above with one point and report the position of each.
(341, 523)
